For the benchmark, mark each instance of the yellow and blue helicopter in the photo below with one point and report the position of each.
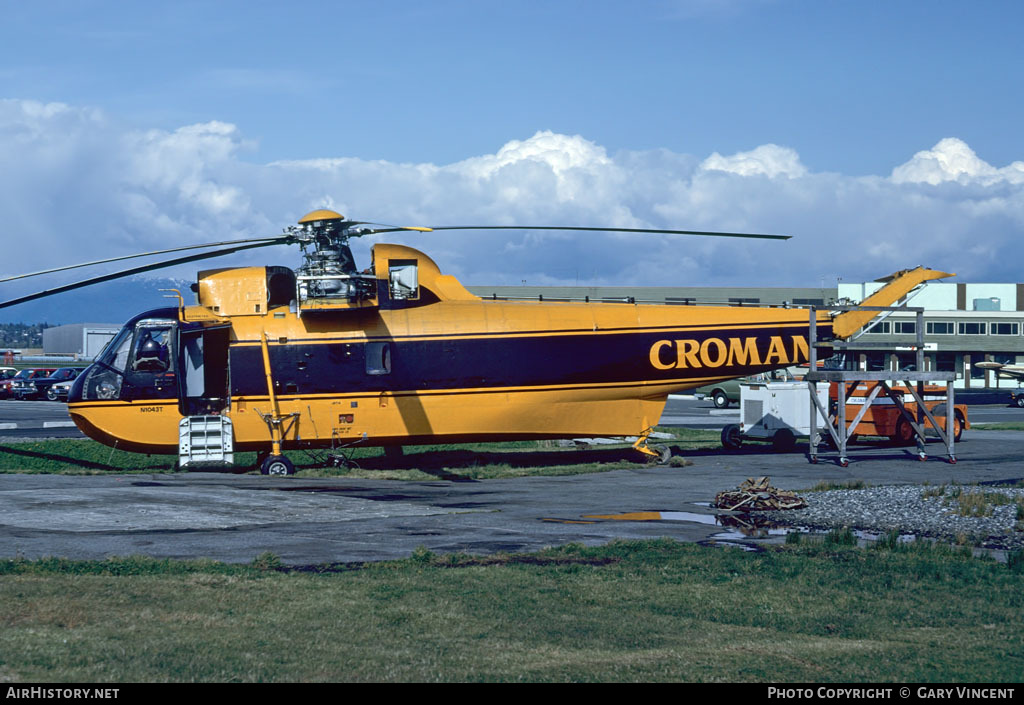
(327, 356)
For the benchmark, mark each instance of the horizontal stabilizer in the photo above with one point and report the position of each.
(899, 285)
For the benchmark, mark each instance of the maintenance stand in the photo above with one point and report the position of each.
(848, 380)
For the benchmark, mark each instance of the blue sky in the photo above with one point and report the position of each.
(852, 86)
(129, 125)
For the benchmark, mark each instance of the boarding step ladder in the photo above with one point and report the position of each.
(205, 440)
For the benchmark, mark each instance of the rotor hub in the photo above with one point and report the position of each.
(321, 214)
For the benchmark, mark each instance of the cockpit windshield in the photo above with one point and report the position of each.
(137, 363)
(115, 354)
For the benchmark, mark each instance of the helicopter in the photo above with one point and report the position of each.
(330, 356)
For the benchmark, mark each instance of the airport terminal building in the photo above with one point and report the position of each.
(964, 323)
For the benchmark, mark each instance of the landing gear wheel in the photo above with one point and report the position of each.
(731, 437)
(721, 400)
(664, 454)
(277, 465)
(783, 441)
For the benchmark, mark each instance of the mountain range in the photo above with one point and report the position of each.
(110, 302)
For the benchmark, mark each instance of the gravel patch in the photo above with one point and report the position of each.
(913, 510)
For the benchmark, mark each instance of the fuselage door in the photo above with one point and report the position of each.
(203, 369)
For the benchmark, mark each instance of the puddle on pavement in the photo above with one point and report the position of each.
(737, 526)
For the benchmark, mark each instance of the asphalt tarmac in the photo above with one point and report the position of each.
(235, 518)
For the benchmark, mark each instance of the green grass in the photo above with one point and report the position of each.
(828, 485)
(470, 460)
(1001, 426)
(630, 611)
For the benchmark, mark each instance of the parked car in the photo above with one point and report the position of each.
(7, 386)
(721, 393)
(39, 387)
(6, 376)
(59, 391)
(728, 391)
(23, 386)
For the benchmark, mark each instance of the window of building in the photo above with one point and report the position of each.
(880, 328)
(977, 372)
(945, 362)
(904, 327)
(1005, 329)
(741, 301)
(970, 328)
(875, 362)
(939, 328)
(808, 302)
(906, 361)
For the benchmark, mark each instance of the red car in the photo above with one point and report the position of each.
(7, 385)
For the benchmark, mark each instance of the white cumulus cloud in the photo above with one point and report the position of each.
(767, 160)
(77, 186)
(953, 160)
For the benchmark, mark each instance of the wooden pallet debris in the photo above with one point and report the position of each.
(758, 495)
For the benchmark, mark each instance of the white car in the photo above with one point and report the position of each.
(59, 391)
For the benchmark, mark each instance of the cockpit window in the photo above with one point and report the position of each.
(115, 353)
(152, 349)
(137, 363)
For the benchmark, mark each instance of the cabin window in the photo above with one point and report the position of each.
(378, 358)
(403, 278)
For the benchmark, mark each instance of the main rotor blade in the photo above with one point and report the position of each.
(383, 228)
(268, 240)
(594, 229)
(138, 270)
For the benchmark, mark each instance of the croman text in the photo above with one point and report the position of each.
(715, 352)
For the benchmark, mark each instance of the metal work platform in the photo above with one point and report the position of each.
(914, 381)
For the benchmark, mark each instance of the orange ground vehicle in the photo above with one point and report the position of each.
(883, 416)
